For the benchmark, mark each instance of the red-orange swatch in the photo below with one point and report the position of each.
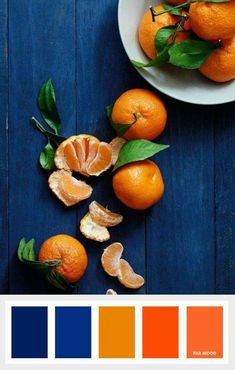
(205, 332)
(160, 332)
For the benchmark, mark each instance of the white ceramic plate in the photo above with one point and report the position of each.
(185, 85)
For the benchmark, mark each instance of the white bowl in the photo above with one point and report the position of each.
(188, 86)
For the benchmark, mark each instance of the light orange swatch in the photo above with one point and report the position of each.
(160, 332)
(116, 332)
(205, 332)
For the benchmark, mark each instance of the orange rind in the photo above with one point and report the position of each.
(84, 154)
(102, 216)
(110, 259)
(128, 277)
(116, 144)
(67, 188)
(92, 230)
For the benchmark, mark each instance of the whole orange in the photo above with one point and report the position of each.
(149, 110)
(139, 185)
(213, 21)
(71, 253)
(148, 29)
(220, 65)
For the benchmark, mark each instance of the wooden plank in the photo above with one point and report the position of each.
(225, 199)
(42, 46)
(103, 73)
(180, 229)
(3, 146)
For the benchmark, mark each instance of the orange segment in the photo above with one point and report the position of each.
(92, 151)
(110, 259)
(102, 216)
(71, 157)
(116, 144)
(93, 231)
(102, 161)
(68, 189)
(128, 277)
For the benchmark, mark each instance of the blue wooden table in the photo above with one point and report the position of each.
(186, 243)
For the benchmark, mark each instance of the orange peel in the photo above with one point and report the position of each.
(92, 230)
(116, 144)
(102, 216)
(110, 259)
(67, 188)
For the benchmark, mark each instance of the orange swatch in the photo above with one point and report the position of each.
(160, 332)
(116, 332)
(205, 332)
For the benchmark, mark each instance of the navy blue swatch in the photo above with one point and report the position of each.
(73, 332)
(29, 332)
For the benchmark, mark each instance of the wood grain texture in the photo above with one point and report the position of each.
(4, 147)
(185, 244)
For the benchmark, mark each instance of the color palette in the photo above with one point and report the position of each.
(114, 332)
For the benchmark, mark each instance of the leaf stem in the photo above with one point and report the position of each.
(56, 139)
(180, 6)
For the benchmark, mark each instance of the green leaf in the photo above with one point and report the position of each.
(57, 280)
(191, 54)
(171, 9)
(21, 248)
(56, 139)
(47, 157)
(120, 128)
(162, 36)
(47, 106)
(137, 150)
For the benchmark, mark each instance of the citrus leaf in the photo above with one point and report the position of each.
(162, 36)
(21, 248)
(171, 9)
(31, 252)
(47, 157)
(56, 139)
(57, 280)
(47, 106)
(191, 54)
(120, 128)
(137, 150)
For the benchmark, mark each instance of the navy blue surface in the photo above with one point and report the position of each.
(29, 332)
(73, 332)
(186, 243)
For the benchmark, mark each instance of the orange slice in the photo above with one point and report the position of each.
(68, 189)
(93, 231)
(116, 144)
(102, 216)
(84, 154)
(128, 277)
(111, 292)
(110, 259)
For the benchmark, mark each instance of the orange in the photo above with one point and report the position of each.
(110, 259)
(139, 185)
(176, 2)
(148, 29)
(71, 253)
(67, 188)
(150, 112)
(220, 65)
(84, 154)
(213, 21)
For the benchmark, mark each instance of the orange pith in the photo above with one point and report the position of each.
(213, 21)
(110, 259)
(91, 230)
(150, 110)
(138, 185)
(71, 253)
(84, 154)
(128, 277)
(102, 216)
(220, 65)
(67, 188)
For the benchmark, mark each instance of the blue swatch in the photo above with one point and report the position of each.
(29, 332)
(73, 332)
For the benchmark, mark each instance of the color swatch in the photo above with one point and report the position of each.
(160, 332)
(205, 332)
(116, 332)
(73, 332)
(29, 332)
